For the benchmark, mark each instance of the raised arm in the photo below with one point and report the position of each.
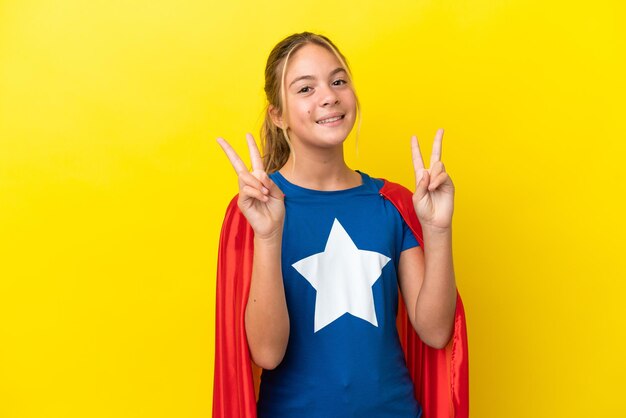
(426, 275)
(262, 203)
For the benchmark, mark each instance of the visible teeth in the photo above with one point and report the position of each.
(330, 120)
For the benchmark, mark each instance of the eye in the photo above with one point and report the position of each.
(304, 89)
(339, 82)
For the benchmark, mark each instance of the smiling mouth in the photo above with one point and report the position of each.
(330, 120)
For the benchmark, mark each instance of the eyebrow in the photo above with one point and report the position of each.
(310, 77)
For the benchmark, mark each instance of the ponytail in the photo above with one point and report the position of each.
(275, 143)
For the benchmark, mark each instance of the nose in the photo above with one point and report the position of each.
(329, 97)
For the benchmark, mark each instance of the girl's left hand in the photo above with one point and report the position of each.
(433, 199)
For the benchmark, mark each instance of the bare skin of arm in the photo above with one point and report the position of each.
(267, 320)
(426, 276)
(428, 288)
(262, 203)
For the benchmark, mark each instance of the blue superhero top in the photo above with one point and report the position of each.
(340, 257)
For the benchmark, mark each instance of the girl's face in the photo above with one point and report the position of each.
(321, 106)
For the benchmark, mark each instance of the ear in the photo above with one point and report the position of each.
(275, 115)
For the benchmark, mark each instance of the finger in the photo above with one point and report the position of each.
(436, 153)
(255, 155)
(438, 181)
(271, 187)
(236, 162)
(274, 190)
(246, 178)
(436, 169)
(418, 162)
(250, 192)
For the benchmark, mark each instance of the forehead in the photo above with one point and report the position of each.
(311, 59)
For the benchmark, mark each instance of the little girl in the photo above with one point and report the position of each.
(312, 256)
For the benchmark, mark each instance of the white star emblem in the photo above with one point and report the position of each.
(343, 277)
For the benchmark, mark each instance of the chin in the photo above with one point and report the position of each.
(333, 140)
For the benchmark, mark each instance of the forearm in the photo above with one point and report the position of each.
(436, 303)
(267, 319)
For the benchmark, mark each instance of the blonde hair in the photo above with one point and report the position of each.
(275, 141)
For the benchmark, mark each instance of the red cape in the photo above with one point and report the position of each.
(440, 376)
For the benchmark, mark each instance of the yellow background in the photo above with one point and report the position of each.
(112, 187)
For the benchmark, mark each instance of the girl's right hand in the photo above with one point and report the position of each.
(260, 199)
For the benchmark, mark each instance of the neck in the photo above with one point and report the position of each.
(325, 170)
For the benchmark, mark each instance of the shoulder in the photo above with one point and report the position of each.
(393, 190)
(371, 182)
(402, 199)
(397, 188)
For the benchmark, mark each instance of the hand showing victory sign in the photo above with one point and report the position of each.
(260, 199)
(434, 192)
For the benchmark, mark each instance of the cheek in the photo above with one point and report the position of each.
(304, 111)
(350, 97)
